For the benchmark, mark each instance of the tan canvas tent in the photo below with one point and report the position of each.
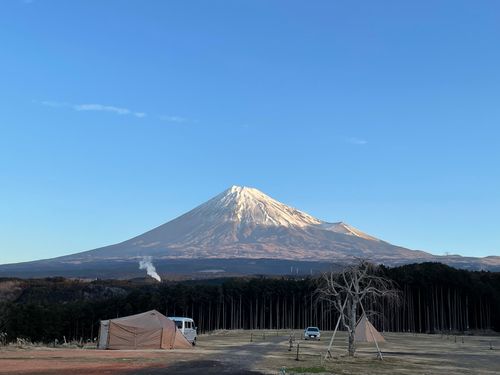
(149, 330)
(366, 332)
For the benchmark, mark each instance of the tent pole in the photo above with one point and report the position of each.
(371, 332)
(328, 352)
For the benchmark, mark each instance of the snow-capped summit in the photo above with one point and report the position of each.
(243, 222)
(246, 206)
(249, 206)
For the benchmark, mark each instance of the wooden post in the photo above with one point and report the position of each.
(297, 356)
(251, 337)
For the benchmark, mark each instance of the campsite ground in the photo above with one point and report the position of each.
(254, 352)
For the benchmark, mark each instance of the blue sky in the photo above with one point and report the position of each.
(117, 116)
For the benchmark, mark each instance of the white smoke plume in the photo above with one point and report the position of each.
(146, 264)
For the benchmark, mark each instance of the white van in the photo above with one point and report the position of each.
(187, 327)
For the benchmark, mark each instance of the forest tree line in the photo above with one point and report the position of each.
(434, 298)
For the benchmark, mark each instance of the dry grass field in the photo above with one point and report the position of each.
(254, 352)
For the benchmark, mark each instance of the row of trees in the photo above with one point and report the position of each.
(433, 298)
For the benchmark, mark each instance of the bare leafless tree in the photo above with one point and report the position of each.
(349, 288)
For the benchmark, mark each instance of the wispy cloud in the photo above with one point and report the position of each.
(107, 108)
(177, 119)
(94, 107)
(53, 104)
(121, 111)
(100, 107)
(356, 141)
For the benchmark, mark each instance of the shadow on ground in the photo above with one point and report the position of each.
(198, 367)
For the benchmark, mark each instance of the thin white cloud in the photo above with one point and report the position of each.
(100, 107)
(93, 107)
(356, 141)
(50, 103)
(177, 119)
(122, 111)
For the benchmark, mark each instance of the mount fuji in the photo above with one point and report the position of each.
(239, 225)
(243, 222)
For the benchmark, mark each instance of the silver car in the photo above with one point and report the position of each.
(312, 333)
(187, 327)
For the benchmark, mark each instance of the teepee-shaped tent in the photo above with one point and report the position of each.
(366, 332)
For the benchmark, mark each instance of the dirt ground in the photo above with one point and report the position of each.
(266, 352)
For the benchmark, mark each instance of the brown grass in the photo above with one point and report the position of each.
(267, 353)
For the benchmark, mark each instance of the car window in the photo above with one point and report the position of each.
(313, 329)
(178, 323)
(187, 324)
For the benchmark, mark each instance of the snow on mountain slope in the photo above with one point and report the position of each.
(246, 223)
(239, 227)
(246, 205)
(347, 229)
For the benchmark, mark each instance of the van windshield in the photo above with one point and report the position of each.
(178, 323)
